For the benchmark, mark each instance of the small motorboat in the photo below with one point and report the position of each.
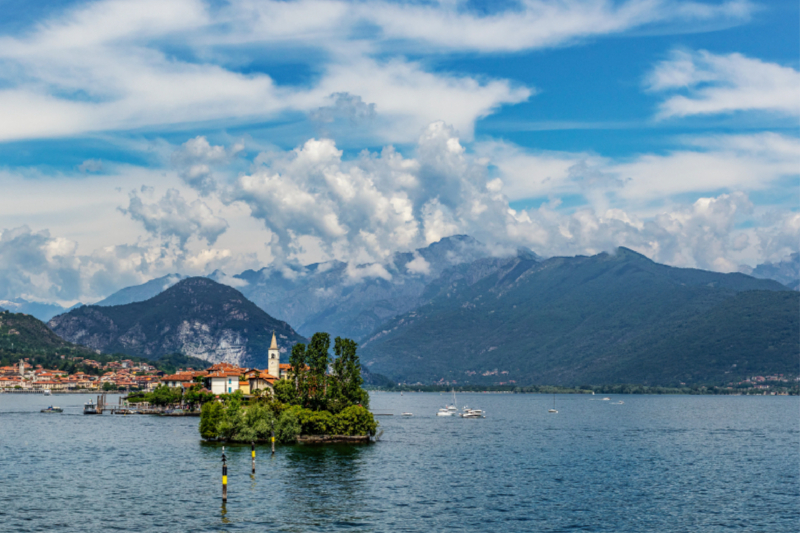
(407, 414)
(52, 409)
(472, 413)
(47, 392)
(606, 399)
(89, 408)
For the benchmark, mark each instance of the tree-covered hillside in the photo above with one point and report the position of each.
(573, 320)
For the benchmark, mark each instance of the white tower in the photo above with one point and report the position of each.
(274, 358)
(21, 368)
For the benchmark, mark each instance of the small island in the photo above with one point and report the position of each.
(319, 400)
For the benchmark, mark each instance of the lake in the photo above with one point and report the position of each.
(653, 463)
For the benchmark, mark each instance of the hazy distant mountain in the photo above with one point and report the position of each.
(608, 318)
(196, 317)
(42, 311)
(351, 301)
(786, 271)
(140, 293)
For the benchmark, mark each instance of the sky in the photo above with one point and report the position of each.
(141, 138)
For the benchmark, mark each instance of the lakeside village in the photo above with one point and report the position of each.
(127, 376)
(223, 378)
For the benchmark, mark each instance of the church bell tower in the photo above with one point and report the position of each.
(274, 355)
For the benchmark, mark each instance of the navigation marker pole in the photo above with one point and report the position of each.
(224, 477)
(253, 453)
(273, 436)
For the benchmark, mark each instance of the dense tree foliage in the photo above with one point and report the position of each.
(313, 401)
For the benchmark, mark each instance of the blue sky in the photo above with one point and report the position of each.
(141, 138)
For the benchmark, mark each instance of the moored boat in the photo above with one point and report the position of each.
(52, 409)
(89, 408)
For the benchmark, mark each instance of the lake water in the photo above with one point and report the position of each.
(654, 463)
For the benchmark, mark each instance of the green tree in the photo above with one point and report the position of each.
(345, 387)
(109, 386)
(285, 391)
(299, 373)
(163, 395)
(318, 361)
(210, 417)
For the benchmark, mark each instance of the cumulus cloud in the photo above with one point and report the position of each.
(196, 158)
(364, 209)
(418, 265)
(714, 84)
(173, 217)
(40, 267)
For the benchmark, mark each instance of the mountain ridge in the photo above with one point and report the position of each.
(196, 316)
(553, 321)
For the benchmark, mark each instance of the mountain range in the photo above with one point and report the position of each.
(608, 318)
(457, 311)
(197, 317)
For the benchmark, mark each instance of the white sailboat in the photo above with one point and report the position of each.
(449, 410)
(553, 410)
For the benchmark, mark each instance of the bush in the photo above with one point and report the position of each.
(288, 427)
(317, 422)
(356, 420)
(210, 417)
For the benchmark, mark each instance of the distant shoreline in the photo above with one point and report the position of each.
(793, 390)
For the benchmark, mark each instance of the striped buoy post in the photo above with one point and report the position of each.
(224, 477)
(273, 437)
(253, 453)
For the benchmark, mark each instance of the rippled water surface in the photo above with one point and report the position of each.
(654, 463)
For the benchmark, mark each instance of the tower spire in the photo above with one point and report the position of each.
(274, 344)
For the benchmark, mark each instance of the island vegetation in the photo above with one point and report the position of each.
(323, 395)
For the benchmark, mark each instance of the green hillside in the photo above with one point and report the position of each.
(23, 336)
(609, 318)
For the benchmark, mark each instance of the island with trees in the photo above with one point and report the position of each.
(320, 401)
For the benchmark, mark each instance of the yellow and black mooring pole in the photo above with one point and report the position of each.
(273, 437)
(224, 477)
(253, 453)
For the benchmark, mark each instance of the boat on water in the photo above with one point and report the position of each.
(449, 410)
(472, 413)
(47, 392)
(407, 414)
(553, 410)
(89, 408)
(52, 409)
(605, 399)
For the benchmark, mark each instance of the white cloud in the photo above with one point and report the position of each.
(363, 210)
(746, 162)
(714, 84)
(356, 273)
(109, 65)
(418, 265)
(174, 217)
(537, 23)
